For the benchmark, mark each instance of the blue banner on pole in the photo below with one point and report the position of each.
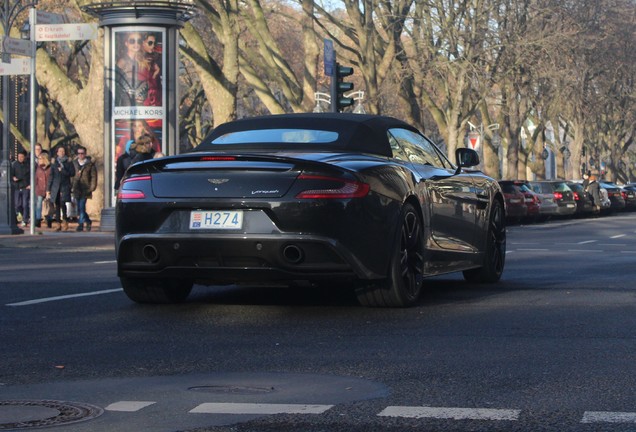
(330, 58)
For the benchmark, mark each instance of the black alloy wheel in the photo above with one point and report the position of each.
(404, 285)
(495, 250)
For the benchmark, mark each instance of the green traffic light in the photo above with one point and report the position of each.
(343, 71)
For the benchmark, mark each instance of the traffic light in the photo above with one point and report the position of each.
(339, 87)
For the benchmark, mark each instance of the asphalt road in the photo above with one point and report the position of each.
(550, 348)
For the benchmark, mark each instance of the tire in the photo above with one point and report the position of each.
(495, 250)
(404, 285)
(159, 291)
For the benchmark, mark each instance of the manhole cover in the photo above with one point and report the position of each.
(25, 414)
(233, 389)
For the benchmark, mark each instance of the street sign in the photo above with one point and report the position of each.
(18, 66)
(474, 139)
(49, 18)
(17, 46)
(330, 58)
(59, 32)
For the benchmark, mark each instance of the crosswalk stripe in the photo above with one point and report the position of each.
(608, 417)
(450, 413)
(259, 408)
(128, 406)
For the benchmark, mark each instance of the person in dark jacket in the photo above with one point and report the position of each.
(84, 184)
(122, 164)
(58, 188)
(594, 189)
(21, 178)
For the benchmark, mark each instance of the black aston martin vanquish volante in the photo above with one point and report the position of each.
(361, 199)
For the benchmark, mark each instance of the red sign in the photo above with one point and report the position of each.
(473, 139)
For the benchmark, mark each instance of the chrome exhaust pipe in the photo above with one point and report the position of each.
(150, 253)
(293, 254)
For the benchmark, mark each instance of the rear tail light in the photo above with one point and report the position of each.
(576, 196)
(335, 188)
(558, 195)
(624, 194)
(218, 158)
(130, 188)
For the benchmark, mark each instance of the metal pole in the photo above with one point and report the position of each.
(32, 134)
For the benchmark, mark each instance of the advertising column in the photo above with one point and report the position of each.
(139, 91)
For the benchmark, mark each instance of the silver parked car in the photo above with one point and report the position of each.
(561, 194)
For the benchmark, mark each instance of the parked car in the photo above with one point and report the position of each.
(549, 206)
(584, 203)
(615, 195)
(629, 194)
(316, 197)
(516, 207)
(531, 199)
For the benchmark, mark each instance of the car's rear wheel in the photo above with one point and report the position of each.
(146, 290)
(404, 285)
(495, 250)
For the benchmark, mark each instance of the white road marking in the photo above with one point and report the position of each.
(105, 262)
(128, 406)
(587, 241)
(451, 413)
(64, 297)
(608, 417)
(258, 408)
(532, 250)
(618, 236)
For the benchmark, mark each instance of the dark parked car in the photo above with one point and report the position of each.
(584, 203)
(615, 195)
(561, 193)
(516, 207)
(629, 194)
(308, 197)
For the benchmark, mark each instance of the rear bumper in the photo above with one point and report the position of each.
(232, 258)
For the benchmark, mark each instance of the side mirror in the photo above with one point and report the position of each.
(466, 157)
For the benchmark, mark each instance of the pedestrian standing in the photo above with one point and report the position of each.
(59, 185)
(594, 189)
(84, 184)
(42, 174)
(21, 177)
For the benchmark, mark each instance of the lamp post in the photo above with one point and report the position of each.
(27, 32)
(8, 15)
(496, 143)
(321, 97)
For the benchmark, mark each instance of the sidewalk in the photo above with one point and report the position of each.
(49, 238)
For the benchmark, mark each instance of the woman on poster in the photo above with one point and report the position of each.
(130, 89)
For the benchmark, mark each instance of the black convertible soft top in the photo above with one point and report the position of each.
(356, 132)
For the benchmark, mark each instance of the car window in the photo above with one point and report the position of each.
(398, 152)
(509, 188)
(301, 136)
(418, 149)
(561, 187)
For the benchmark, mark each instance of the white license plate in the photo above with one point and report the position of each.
(216, 219)
(570, 205)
